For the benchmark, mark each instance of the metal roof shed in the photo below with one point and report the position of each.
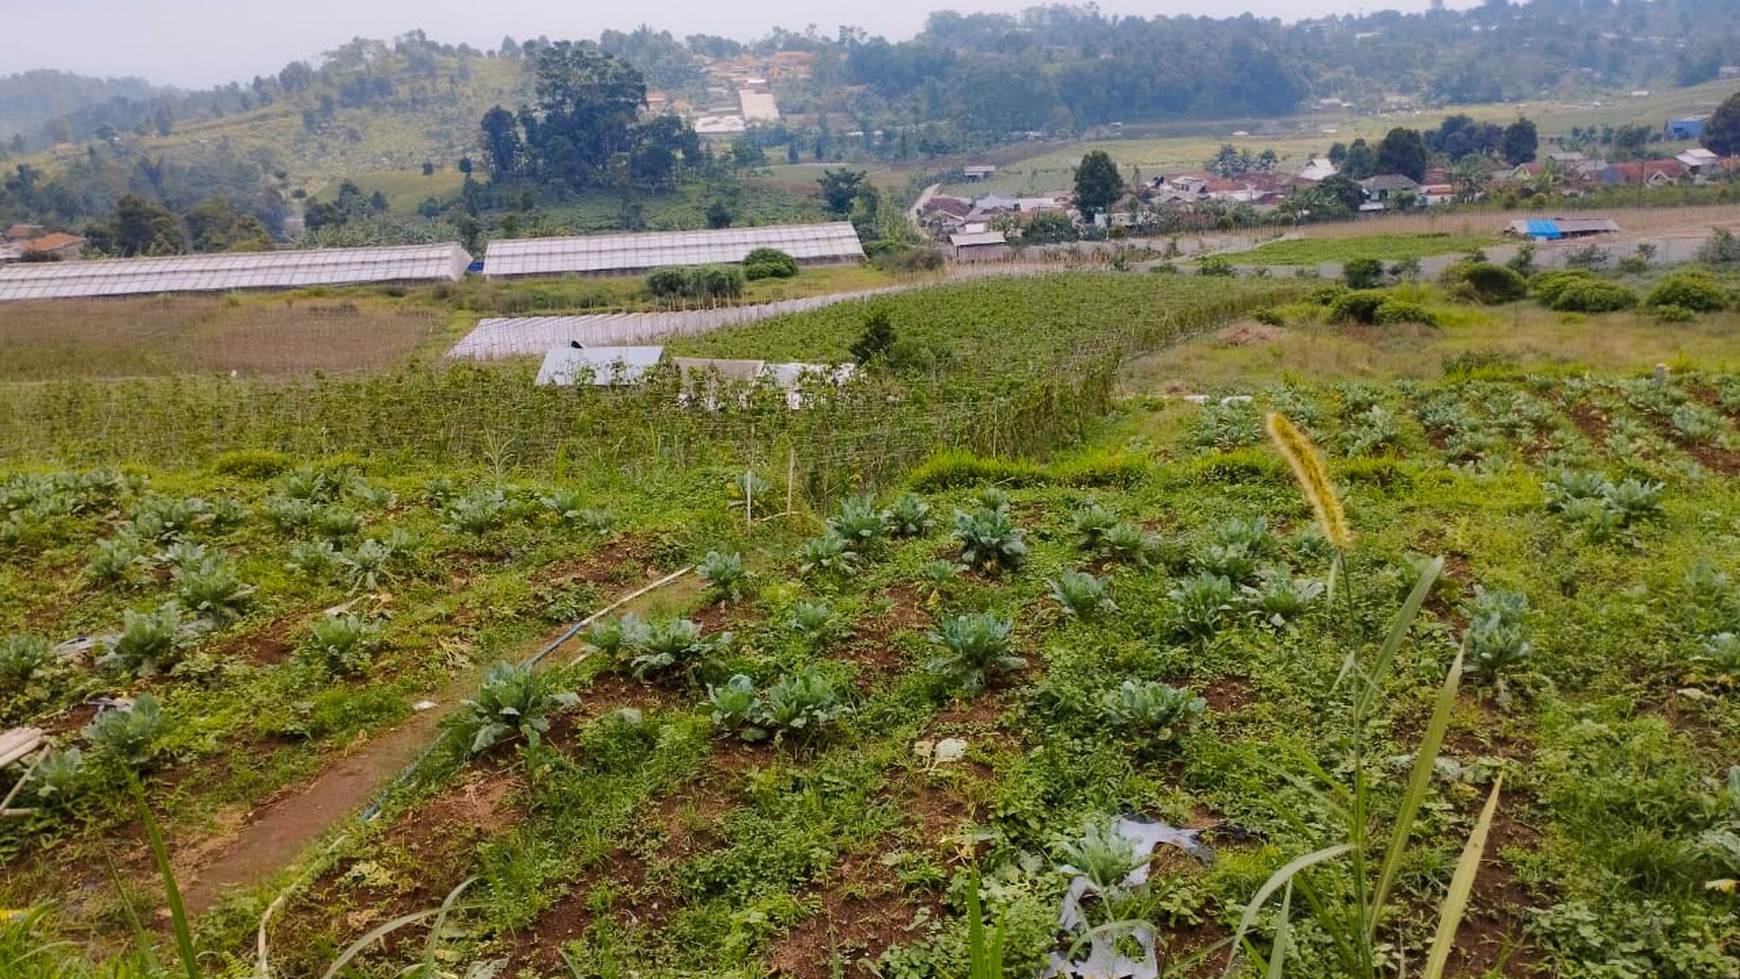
(599, 366)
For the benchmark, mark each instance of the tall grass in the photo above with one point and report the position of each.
(1353, 925)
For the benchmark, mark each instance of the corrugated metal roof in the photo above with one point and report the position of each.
(600, 366)
(638, 252)
(242, 270)
(981, 238)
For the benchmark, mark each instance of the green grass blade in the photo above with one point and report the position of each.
(1399, 627)
(1461, 887)
(1283, 932)
(129, 913)
(357, 947)
(160, 853)
(1276, 881)
(1425, 761)
(434, 940)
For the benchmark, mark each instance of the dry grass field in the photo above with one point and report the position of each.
(253, 336)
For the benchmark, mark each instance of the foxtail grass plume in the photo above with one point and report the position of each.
(1313, 478)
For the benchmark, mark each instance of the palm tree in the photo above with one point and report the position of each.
(1469, 176)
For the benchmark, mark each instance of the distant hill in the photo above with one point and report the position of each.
(31, 100)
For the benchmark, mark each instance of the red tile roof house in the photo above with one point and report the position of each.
(1651, 172)
(59, 245)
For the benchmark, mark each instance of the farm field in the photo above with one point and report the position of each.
(907, 684)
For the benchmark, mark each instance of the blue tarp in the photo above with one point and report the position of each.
(1545, 229)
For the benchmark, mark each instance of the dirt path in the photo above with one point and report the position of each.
(277, 833)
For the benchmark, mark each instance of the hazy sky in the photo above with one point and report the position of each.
(198, 43)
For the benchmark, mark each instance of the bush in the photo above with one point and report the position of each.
(1547, 286)
(701, 283)
(251, 463)
(1594, 296)
(1722, 248)
(1487, 283)
(769, 263)
(953, 468)
(1269, 316)
(1216, 266)
(1363, 273)
(1360, 306)
(1688, 289)
(1399, 311)
(905, 258)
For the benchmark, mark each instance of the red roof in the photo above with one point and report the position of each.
(948, 205)
(1649, 169)
(53, 242)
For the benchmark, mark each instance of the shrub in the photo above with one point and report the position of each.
(1216, 266)
(251, 463)
(953, 468)
(513, 700)
(1675, 314)
(1394, 311)
(1081, 595)
(1269, 316)
(700, 283)
(1489, 284)
(769, 263)
(724, 574)
(1722, 248)
(1157, 712)
(1359, 306)
(148, 642)
(974, 649)
(1587, 257)
(1523, 262)
(129, 734)
(989, 539)
(1688, 289)
(1363, 273)
(343, 644)
(1594, 296)
(1547, 286)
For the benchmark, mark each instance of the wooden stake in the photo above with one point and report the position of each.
(790, 476)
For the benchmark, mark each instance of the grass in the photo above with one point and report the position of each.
(640, 837)
(284, 335)
(1518, 337)
(1385, 247)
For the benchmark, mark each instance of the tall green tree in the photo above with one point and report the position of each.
(1098, 184)
(1403, 151)
(1519, 143)
(144, 227)
(839, 188)
(1722, 129)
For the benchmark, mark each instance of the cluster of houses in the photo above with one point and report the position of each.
(739, 92)
(34, 243)
(976, 227)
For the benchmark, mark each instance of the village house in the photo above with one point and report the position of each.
(983, 246)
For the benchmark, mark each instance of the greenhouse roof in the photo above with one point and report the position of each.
(241, 270)
(597, 254)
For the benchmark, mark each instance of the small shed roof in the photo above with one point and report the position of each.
(571, 365)
(980, 238)
(731, 370)
(1390, 181)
